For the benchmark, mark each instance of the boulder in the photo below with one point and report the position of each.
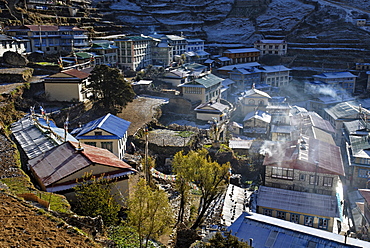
(14, 59)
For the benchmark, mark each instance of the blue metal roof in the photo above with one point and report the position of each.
(275, 233)
(109, 123)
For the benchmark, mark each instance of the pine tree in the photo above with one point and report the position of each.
(109, 87)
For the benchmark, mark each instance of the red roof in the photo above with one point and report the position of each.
(366, 194)
(76, 73)
(65, 160)
(311, 155)
(101, 156)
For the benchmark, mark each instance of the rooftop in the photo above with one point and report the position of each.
(306, 154)
(109, 123)
(63, 161)
(271, 232)
(295, 201)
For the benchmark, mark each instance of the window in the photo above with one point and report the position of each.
(311, 244)
(314, 179)
(251, 101)
(107, 145)
(302, 177)
(294, 218)
(267, 212)
(280, 215)
(90, 143)
(283, 173)
(308, 220)
(323, 223)
(363, 173)
(328, 181)
(98, 133)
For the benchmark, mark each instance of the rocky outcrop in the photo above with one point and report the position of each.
(14, 59)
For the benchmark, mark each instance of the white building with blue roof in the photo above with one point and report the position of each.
(108, 132)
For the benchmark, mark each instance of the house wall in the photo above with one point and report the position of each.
(64, 91)
(242, 57)
(276, 79)
(272, 48)
(94, 169)
(120, 191)
(360, 175)
(301, 182)
(255, 123)
(251, 103)
(301, 217)
(208, 117)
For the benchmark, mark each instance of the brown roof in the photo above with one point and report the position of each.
(42, 27)
(64, 160)
(76, 73)
(305, 155)
(366, 194)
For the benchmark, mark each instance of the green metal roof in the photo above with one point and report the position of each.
(209, 80)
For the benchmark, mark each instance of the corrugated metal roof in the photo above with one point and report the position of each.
(219, 107)
(35, 138)
(64, 160)
(366, 194)
(76, 73)
(242, 50)
(259, 228)
(295, 201)
(254, 91)
(109, 123)
(303, 154)
(344, 74)
(258, 114)
(209, 80)
(346, 110)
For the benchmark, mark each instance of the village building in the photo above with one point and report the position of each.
(108, 132)
(206, 88)
(245, 77)
(271, 47)
(343, 112)
(58, 169)
(162, 53)
(178, 43)
(338, 80)
(252, 100)
(36, 135)
(134, 52)
(68, 85)
(256, 124)
(225, 70)
(8, 43)
(276, 76)
(212, 111)
(176, 77)
(242, 55)
(50, 39)
(305, 165)
(105, 52)
(356, 138)
(313, 210)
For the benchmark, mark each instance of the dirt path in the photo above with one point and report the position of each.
(141, 111)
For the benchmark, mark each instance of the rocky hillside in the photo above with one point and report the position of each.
(321, 33)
